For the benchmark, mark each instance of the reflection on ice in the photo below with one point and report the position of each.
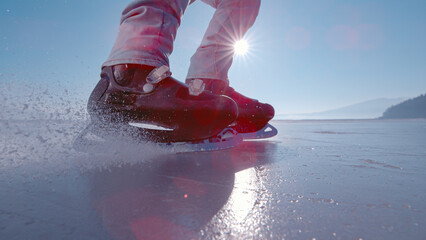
(244, 194)
(302, 185)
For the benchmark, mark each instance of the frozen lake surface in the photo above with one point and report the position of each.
(315, 180)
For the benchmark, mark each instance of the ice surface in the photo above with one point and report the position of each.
(314, 180)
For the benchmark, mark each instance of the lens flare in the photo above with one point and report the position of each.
(241, 47)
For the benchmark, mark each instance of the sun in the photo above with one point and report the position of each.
(241, 47)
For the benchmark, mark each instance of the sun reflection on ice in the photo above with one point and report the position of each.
(244, 195)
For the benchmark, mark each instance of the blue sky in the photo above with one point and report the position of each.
(305, 55)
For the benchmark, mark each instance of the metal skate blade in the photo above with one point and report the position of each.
(92, 140)
(149, 126)
(267, 132)
(226, 139)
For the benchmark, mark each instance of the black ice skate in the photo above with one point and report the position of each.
(130, 95)
(253, 116)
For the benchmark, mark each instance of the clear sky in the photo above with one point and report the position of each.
(305, 55)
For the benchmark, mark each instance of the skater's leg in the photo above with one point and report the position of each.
(136, 85)
(210, 64)
(230, 22)
(146, 33)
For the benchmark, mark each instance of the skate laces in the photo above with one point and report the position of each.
(155, 76)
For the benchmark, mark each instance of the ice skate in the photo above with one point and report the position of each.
(253, 118)
(147, 104)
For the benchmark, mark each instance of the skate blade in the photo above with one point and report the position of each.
(267, 132)
(92, 139)
(227, 138)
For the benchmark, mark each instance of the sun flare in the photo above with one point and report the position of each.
(241, 47)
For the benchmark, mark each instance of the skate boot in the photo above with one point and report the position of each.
(253, 115)
(143, 94)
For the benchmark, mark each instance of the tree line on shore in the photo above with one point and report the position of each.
(411, 108)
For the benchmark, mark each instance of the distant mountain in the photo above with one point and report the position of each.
(411, 108)
(364, 110)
